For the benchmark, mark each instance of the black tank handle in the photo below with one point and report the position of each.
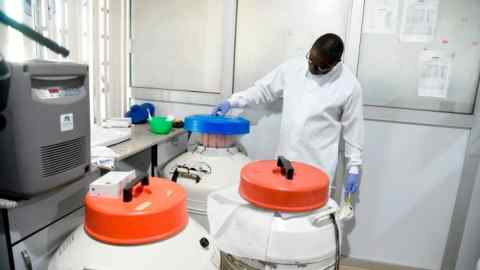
(128, 189)
(286, 167)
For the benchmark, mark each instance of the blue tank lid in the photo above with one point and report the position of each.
(211, 124)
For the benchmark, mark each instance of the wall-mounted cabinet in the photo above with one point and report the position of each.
(177, 44)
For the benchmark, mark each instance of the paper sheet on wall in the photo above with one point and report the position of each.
(435, 70)
(381, 17)
(419, 20)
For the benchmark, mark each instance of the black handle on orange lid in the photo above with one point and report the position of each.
(286, 167)
(128, 189)
(175, 175)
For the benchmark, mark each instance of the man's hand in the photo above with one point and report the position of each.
(222, 108)
(353, 180)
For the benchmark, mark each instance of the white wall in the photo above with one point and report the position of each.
(408, 191)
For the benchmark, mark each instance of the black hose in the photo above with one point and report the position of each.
(33, 35)
(337, 241)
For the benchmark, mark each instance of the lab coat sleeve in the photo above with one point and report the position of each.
(265, 90)
(353, 127)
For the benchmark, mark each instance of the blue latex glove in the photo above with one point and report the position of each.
(222, 108)
(352, 183)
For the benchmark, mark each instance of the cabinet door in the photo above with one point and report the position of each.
(177, 44)
(32, 215)
(35, 252)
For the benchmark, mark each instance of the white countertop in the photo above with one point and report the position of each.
(142, 139)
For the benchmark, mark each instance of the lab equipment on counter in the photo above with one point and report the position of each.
(140, 113)
(103, 157)
(178, 124)
(117, 122)
(146, 227)
(46, 142)
(160, 125)
(213, 162)
(109, 136)
(279, 217)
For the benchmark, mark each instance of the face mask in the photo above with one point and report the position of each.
(318, 70)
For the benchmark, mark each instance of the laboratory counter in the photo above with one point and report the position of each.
(141, 150)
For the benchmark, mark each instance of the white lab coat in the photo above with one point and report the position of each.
(315, 109)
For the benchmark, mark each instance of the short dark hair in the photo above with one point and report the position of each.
(329, 46)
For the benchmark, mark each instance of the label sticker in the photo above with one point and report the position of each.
(66, 122)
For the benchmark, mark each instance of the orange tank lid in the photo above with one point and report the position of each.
(156, 211)
(284, 186)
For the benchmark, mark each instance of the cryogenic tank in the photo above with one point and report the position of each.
(145, 228)
(214, 160)
(279, 217)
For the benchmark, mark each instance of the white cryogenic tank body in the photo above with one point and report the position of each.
(213, 162)
(81, 252)
(218, 169)
(279, 217)
(148, 228)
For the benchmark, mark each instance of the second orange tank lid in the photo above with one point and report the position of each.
(152, 211)
(284, 186)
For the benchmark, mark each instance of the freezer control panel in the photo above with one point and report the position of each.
(57, 92)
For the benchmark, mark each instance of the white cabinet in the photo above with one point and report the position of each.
(35, 252)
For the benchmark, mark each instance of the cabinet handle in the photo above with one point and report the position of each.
(26, 259)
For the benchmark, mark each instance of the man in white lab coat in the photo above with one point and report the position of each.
(322, 101)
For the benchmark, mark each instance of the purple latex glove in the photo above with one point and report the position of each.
(222, 108)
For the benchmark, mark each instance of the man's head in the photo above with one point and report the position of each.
(325, 53)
